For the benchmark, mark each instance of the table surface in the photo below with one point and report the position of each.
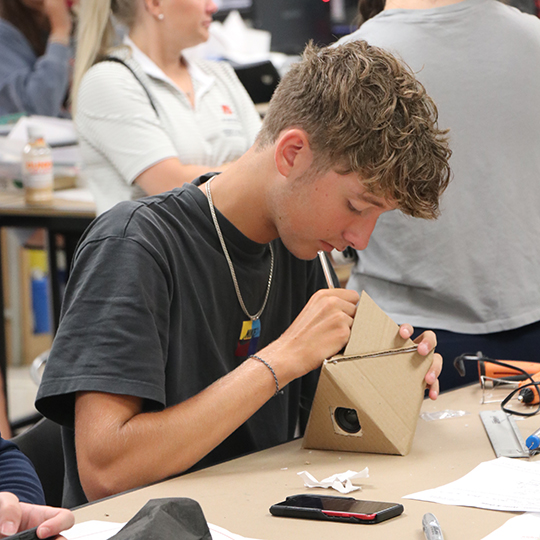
(13, 204)
(237, 494)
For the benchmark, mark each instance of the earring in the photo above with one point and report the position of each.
(161, 16)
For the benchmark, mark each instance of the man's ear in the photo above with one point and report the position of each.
(293, 154)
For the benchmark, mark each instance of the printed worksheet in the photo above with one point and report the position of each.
(501, 484)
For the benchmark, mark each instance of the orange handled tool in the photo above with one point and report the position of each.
(494, 371)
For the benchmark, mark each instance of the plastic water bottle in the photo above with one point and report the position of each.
(37, 165)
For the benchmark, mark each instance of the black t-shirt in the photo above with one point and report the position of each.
(151, 311)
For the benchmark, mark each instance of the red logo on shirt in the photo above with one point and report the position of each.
(226, 109)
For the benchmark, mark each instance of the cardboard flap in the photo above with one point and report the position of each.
(373, 331)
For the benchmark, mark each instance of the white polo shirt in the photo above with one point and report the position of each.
(121, 135)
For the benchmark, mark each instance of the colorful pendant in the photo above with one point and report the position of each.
(249, 337)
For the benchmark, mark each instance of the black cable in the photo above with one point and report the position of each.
(459, 364)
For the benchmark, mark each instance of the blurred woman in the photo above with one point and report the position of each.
(148, 118)
(34, 56)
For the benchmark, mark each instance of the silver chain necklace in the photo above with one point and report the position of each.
(229, 261)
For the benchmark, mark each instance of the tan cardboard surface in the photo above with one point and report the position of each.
(381, 378)
(373, 330)
(237, 494)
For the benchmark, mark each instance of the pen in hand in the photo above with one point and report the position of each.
(326, 269)
(432, 529)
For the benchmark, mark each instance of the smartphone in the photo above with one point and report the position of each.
(329, 508)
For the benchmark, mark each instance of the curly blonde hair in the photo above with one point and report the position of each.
(365, 112)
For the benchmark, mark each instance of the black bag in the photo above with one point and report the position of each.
(176, 518)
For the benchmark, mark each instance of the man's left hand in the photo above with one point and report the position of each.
(426, 343)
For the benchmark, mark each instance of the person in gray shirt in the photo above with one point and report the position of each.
(35, 56)
(472, 274)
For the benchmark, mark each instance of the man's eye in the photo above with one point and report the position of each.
(353, 209)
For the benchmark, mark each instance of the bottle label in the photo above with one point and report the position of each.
(37, 169)
(38, 174)
(38, 182)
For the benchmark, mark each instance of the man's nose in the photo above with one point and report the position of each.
(358, 235)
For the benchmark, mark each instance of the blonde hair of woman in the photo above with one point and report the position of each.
(96, 33)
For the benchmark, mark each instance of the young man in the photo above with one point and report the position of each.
(193, 324)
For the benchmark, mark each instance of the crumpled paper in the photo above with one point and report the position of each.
(342, 482)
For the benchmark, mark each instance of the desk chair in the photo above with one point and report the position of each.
(42, 445)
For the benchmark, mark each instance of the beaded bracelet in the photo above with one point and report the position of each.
(270, 368)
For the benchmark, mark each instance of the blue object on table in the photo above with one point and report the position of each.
(533, 441)
(40, 303)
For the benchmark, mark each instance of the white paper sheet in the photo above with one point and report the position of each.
(57, 131)
(103, 530)
(92, 530)
(342, 482)
(219, 533)
(499, 484)
(524, 527)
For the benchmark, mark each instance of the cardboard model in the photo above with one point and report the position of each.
(369, 398)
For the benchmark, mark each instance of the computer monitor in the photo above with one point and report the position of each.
(293, 23)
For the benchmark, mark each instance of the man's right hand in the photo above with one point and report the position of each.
(320, 331)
